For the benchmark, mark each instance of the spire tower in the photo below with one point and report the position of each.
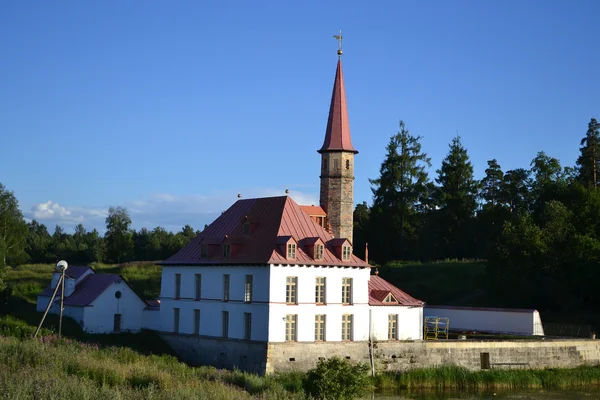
(337, 160)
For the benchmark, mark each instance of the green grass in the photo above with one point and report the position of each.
(62, 369)
(457, 378)
(444, 282)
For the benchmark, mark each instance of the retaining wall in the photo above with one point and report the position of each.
(259, 357)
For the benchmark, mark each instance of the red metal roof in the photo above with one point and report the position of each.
(273, 218)
(379, 288)
(337, 135)
(314, 211)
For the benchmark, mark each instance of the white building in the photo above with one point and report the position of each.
(100, 303)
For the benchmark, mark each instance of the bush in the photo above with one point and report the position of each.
(337, 379)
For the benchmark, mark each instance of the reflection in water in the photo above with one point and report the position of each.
(539, 394)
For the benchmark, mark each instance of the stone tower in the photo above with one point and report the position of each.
(337, 163)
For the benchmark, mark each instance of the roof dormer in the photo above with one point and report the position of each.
(288, 246)
(315, 248)
(342, 248)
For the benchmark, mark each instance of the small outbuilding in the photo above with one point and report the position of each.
(100, 303)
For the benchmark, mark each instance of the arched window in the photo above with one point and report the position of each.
(347, 164)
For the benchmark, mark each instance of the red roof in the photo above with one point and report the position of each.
(272, 218)
(337, 135)
(379, 288)
(314, 211)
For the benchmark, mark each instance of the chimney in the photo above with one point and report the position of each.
(69, 286)
(366, 252)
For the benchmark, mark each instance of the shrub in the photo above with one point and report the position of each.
(337, 379)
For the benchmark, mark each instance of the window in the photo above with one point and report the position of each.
(320, 290)
(246, 228)
(291, 287)
(347, 327)
(319, 251)
(247, 326)
(196, 322)
(177, 286)
(320, 327)
(225, 329)
(393, 327)
(347, 164)
(291, 251)
(346, 290)
(226, 287)
(346, 253)
(390, 299)
(290, 327)
(226, 250)
(117, 323)
(176, 320)
(248, 289)
(198, 285)
(203, 251)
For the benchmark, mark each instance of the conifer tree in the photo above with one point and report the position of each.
(397, 193)
(491, 184)
(589, 160)
(456, 195)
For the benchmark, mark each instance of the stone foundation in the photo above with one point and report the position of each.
(264, 358)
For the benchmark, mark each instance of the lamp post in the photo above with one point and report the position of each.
(62, 266)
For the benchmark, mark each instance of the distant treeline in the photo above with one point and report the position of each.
(119, 244)
(538, 226)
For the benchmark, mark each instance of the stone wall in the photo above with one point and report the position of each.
(389, 356)
(337, 192)
(221, 353)
(402, 356)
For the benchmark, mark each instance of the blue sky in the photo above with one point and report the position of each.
(172, 108)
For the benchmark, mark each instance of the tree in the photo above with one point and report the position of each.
(456, 195)
(516, 190)
(361, 225)
(38, 243)
(397, 195)
(13, 228)
(589, 160)
(491, 184)
(337, 379)
(119, 240)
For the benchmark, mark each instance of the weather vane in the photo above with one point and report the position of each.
(339, 39)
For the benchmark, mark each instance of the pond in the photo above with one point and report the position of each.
(537, 394)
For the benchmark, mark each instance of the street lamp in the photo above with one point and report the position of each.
(62, 267)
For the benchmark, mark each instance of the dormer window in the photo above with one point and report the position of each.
(319, 251)
(246, 228)
(226, 250)
(291, 251)
(346, 253)
(390, 299)
(203, 251)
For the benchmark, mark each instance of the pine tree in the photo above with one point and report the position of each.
(397, 193)
(13, 228)
(589, 160)
(491, 184)
(456, 197)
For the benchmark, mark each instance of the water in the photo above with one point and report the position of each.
(538, 394)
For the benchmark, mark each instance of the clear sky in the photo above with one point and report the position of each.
(170, 108)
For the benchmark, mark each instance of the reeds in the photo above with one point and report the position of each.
(458, 378)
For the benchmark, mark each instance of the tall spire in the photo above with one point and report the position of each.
(337, 135)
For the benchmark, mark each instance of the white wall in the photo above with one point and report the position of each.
(211, 304)
(75, 313)
(306, 309)
(410, 322)
(151, 319)
(99, 315)
(496, 320)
